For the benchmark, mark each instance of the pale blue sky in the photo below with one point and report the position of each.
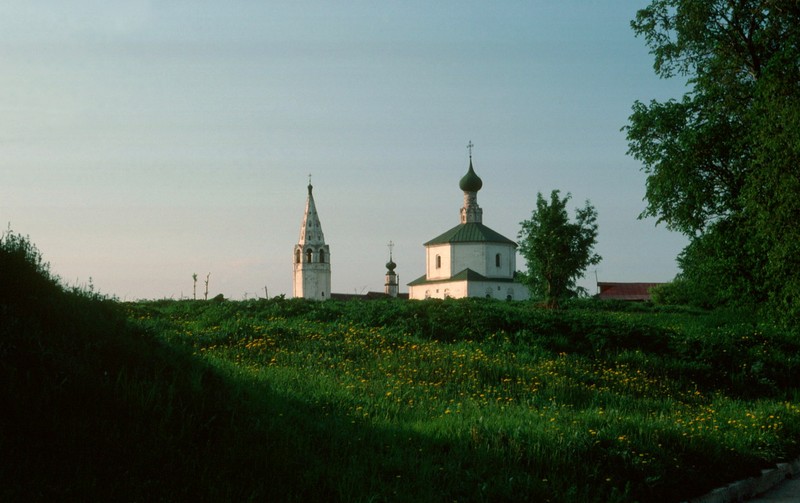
(143, 141)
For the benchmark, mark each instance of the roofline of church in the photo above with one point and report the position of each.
(465, 275)
(367, 296)
(470, 232)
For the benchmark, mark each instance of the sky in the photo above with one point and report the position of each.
(144, 141)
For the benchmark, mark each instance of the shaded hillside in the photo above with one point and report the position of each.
(93, 409)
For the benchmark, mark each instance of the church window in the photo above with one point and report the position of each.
(438, 261)
(297, 256)
(322, 256)
(497, 260)
(308, 255)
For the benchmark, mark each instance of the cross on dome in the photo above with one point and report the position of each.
(390, 265)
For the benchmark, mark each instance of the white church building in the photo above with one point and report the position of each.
(469, 260)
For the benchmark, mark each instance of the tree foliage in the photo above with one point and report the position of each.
(557, 251)
(723, 162)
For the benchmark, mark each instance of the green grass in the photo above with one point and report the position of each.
(290, 400)
(583, 405)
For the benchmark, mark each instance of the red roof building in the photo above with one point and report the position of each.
(635, 292)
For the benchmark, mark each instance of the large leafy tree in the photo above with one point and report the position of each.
(723, 162)
(556, 250)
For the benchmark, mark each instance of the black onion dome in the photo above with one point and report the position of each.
(470, 182)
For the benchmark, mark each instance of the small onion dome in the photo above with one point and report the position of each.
(470, 182)
(391, 265)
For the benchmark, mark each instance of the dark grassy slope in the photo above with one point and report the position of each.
(91, 408)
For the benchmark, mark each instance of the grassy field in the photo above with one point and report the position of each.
(477, 400)
(472, 400)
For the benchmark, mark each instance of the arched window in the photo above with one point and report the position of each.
(297, 257)
(438, 261)
(497, 260)
(322, 256)
(308, 255)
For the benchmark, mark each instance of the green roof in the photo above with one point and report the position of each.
(471, 232)
(419, 281)
(465, 275)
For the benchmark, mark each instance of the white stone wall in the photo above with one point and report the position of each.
(501, 290)
(452, 289)
(312, 280)
(444, 252)
(481, 258)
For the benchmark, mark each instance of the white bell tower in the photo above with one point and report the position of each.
(311, 257)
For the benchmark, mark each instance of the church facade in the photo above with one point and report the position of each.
(469, 260)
